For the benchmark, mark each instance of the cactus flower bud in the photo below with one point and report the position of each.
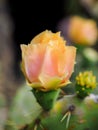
(47, 62)
(85, 83)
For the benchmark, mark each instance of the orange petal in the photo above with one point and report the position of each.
(46, 36)
(70, 55)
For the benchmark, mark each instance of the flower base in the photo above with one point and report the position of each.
(46, 99)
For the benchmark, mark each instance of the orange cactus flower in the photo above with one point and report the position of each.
(82, 31)
(47, 62)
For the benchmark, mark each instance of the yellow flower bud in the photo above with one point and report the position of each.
(85, 82)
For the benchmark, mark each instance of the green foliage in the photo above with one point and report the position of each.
(24, 109)
(83, 117)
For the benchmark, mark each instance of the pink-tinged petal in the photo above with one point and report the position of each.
(69, 55)
(53, 57)
(58, 62)
(49, 64)
(32, 56)
(53, 69)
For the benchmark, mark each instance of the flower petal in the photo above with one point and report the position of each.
(69, 56)
(50, 83)
(32, 60)
(46, 36)
(53, 57)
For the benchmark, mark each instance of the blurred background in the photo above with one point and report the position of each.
(21, 20)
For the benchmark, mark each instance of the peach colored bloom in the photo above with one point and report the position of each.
(47, 62)
(82, 30)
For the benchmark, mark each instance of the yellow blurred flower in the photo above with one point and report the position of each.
(47, 62)
(85, 83)
(82, 30)
(86, 79)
